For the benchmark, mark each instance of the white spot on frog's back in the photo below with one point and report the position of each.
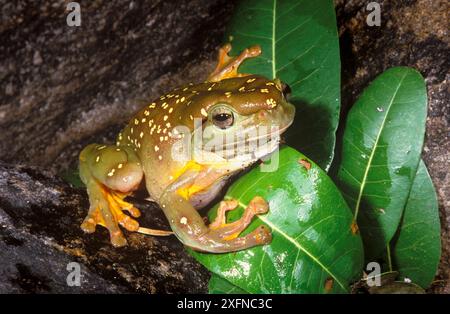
(183, 221)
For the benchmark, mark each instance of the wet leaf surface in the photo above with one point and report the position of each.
(416, 250)
(313, 248)
(218, 285)
(300, 46)
(381, 150)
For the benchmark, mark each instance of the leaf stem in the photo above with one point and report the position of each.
(388, 251)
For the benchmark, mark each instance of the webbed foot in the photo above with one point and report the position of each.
(107, 209)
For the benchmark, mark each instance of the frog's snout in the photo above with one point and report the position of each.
(281, 116)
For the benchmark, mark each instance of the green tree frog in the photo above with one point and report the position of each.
(227, 104)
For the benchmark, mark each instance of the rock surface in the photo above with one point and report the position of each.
(64, 87)
(40, 235)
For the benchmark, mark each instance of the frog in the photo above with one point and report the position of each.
(227, 102)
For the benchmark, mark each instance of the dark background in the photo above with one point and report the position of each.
(64, 87)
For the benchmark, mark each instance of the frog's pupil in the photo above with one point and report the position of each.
(223, 120)
(222, 117)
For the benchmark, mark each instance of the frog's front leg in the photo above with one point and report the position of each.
(218, 237)
(110, 173)
(257, 206)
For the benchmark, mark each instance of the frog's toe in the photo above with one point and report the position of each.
(262, 235)
(92, 219)
(88, 225)
(118, 199)
(134, 212)
(117, 239)
(258, 205)
(117, 206)
(129, 223)
(101, 216)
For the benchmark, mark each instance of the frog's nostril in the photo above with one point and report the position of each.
(262, 115)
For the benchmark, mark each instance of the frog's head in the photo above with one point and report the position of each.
(241, 119)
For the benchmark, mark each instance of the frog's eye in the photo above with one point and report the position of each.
(286, 90)
(222, 117)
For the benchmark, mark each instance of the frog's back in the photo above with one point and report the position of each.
(184, 104)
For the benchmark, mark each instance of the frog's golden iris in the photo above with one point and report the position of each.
(228, 102)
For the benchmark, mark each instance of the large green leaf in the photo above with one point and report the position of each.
(416, 249)
(381, 150)
(300, 46)
(218, 285)
(313, 248)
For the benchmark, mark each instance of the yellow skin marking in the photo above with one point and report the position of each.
(227, 102)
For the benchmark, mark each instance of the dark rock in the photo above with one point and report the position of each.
(64, 87)
(412, 33)
(40, 235)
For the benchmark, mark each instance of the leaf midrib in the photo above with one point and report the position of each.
(286, 236)
(372, 154)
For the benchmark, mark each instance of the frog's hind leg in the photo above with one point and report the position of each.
(110, 174)
(227, 67)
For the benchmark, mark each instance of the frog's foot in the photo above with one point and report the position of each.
(107, 209)
(227, 67)
(110, 174)
(257, 206)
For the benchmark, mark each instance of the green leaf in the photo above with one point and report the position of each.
(381, 150)
(416, 250)
(300, 46)
(72, 176)
(218, 285)
(313, 249)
